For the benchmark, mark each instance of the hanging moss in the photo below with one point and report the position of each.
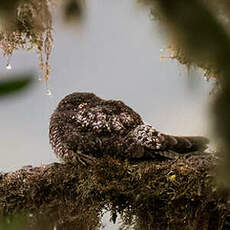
(199, 32)
(28, 25)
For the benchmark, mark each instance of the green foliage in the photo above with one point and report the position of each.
(14, 85)
(73, 10)
(14, 222)
(8, 7)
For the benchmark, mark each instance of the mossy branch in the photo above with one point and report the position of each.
(148, 195)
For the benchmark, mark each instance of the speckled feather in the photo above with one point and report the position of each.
(85, 126)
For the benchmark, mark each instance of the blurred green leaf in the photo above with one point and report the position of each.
(73, 10)
(14, 222)
(15, 84)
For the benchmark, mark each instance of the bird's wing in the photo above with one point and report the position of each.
(156, 143)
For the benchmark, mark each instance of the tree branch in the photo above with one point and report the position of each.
(158, 195)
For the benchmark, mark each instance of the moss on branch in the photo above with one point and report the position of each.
(148, 195)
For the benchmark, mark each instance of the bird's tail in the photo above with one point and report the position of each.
(185, 144)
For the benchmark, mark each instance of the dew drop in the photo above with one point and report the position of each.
(8, 66)
(48, 92)
(40, 78)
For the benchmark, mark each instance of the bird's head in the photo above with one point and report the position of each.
(75, 100)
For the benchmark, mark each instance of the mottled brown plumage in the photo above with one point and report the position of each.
(84, 127)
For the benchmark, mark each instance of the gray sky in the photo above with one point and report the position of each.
(115, 54)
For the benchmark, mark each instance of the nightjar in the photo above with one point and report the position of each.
(85, 127)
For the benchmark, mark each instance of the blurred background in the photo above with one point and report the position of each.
(114, 53)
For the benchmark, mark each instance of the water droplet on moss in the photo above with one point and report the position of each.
(40, 78)
(8, 66)
(48, 92)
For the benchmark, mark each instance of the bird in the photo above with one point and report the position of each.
(85, 127)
